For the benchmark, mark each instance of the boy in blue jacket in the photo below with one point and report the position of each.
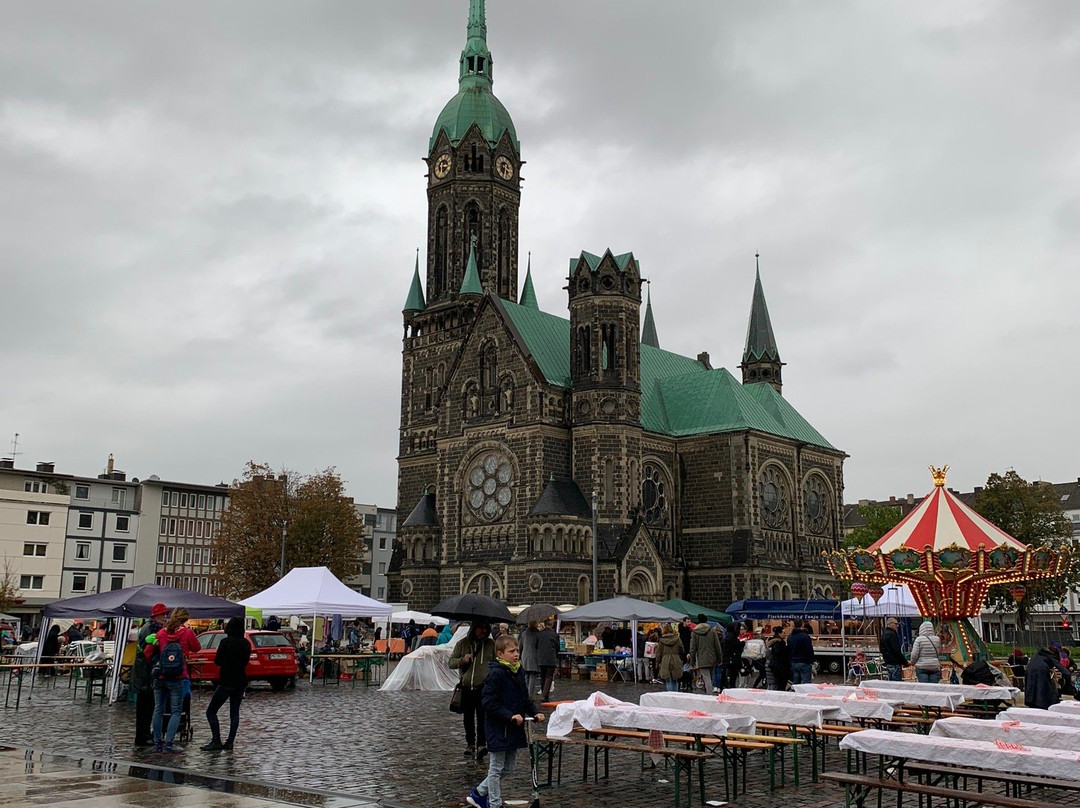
(506, 705)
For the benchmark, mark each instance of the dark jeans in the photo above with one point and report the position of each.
(234, 695)
(172, 691)
(896, 672)
(472, 713)
(144, 716)
(547, 678)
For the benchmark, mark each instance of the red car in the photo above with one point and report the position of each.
(273, 659)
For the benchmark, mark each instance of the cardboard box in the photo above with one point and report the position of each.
(581, 649)
(580, 674)
(603, 672)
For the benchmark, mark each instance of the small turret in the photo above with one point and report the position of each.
(528, 294)
(470, 284)
(648, 331)
(415, 300)
(761, 358)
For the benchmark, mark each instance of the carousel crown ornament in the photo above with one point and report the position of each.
(948, 556)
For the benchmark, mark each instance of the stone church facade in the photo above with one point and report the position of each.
(517, 424)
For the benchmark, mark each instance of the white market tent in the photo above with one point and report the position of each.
(315, 591)
(622, 610)
(421, 618)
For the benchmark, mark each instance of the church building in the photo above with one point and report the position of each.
(522, 429)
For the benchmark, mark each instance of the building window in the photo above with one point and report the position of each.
(183, 528)
(172, 527)
(191, 527)
(382, 568)
(175, 499)
(31, 582)
(122, 524)
(119, 497)
(158, 580)
(198, 529)
(34, 550)
(119, 552)
(82, 551)
(116, 583)
(382, 543)
(197, 558)
(36, 486)
(211, 558)
(86, 521)
(160, 555)
(208, 531)
(187, 556)
(202, 501)
(164, 500)
(170, 554)
(164, 526)
(78, 583)
(183, 500)
(168, 580)
(37, 517)
(82, 492)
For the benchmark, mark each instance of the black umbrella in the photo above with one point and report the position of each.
(538, 611)
(473, 607)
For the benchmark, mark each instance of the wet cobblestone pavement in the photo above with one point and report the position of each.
(397, 749)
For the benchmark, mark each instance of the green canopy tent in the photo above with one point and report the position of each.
(692, 610)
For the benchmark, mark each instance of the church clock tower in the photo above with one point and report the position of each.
(474, 180)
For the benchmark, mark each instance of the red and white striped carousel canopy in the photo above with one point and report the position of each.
(940, 521)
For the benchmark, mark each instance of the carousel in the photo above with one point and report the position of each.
(948, 556)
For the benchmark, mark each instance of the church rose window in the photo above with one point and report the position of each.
(489, 485)
(654, 495)
(773, 492)
(816, 504)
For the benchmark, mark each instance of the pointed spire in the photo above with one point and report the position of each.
(476, 58)
(470, 284)
(528, 294)
(760, 342)
(648, 331)
(415, 301)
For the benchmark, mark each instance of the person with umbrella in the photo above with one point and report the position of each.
(547, 656)
(471, 657)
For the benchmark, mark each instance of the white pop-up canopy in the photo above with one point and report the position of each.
(314, 591)
(421, 618)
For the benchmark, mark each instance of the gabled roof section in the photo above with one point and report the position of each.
(760, 342)
(679, 395)
(777, 406)
(470, 284)
(561, 498)
(622, 261)
(528, 294)
(415, 301)
(423, 515)
(648, 331)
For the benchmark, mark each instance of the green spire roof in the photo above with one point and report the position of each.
(760, 342)
(415, 300)
(648, 331)
(528, 294)
(470, 284)
(475, 102)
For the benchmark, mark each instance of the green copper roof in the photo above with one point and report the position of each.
(470, 284)
(679, 395)
(760, 342)
(528, 294)
(648, 331)
(475, 102)
(621, 261)
(415, 301)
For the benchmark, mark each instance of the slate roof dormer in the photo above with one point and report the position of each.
(423, 515)
(561, 498)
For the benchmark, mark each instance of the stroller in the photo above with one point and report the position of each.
(184, 733)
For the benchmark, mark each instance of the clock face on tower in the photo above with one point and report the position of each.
(504, 168)
(442, 166)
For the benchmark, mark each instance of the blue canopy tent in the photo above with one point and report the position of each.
(809, 609)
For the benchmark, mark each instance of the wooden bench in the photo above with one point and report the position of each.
(678, 755)
(817, 737)
(1012, 782)
(857, 787)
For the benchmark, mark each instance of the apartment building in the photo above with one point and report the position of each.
(33, 525)
(179, 522)
(380, 527)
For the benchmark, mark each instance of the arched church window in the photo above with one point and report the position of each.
(607, 335)
(488, 366)
(438, 275)
(774, 498)
(490, 482)
(654, 491)
(817, 505)
(474, 222)
(502, 259)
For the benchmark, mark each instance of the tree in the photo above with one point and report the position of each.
(1031, 513)
(9, 587)
(310, 515)
(880, 519)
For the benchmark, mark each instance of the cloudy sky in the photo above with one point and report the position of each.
(209, 214)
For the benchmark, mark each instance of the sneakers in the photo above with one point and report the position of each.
(213, 746)
(158, 746)
(480, 752)
(172, 749)
(227, 746)
(476, 799)
(470, 751)
(716, 690)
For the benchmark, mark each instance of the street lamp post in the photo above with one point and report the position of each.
(595, 540)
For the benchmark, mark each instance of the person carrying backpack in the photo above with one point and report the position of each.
(170, 674)
(141, 681)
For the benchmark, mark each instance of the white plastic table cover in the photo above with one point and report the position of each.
(1036, 760)
(1032, 715)
(980, 729)
(1067, 707)
(855, 707)
(970, 692)
(772, 712)
(600, 710)
(922, 698)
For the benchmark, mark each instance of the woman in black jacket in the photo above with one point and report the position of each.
(50, 649)
(232, 659)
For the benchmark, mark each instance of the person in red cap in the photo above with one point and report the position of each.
(141, 680)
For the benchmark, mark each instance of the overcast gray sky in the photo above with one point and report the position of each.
(209, 214)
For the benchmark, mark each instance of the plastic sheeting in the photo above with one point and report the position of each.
(972, 692)
(920, 698)
(994, 755)
(855, 706)
(1031, 715)
(601, 710)
(426, 668)
(979, 729)
(772, 712)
